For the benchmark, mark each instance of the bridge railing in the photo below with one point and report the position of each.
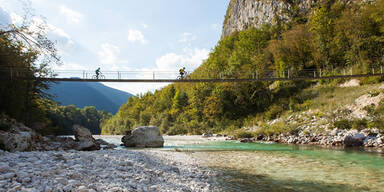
(161, 75)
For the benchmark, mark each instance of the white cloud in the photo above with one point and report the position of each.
(72, 16)
(69, 66)
(187, 37)
(167, 67)
(58, 35)
(64, 42)
(16, 19)
(136, 35)
(190, 59)
(70, 69)
(109, 54)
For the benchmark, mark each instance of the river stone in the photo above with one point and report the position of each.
(205, 135)
(82, 133)
(144, 137)
(18, 138)
(85, 141)
(354, 141)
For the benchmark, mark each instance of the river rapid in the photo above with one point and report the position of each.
(278, 167)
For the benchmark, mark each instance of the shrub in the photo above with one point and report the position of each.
(374, 93)
(277, 129)
(359, 124)
(243, 134)
(371, 80)
(379, 124)
(342, 124)
(177, 130)
(292, 104)
(273, 112)
(370, 108)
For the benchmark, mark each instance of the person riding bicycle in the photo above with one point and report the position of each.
(97, 73)
(182, 72)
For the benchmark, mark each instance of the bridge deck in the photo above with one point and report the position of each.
(174, 76)
(207, 80)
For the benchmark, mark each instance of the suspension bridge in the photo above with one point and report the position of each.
(174, 76)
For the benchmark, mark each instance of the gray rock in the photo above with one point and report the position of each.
(354, 141)
(101, 142)
(144, 137)
(85, 140)
(7, 176)
(86, 145)
(18, 138)
(242, 15)
(205, 135)
(334, 132)
(82, 133)
(109, 146)
(4, 167)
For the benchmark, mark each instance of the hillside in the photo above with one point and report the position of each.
(83, 94)
(326, 35)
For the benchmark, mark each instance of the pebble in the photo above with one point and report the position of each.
(104, 170)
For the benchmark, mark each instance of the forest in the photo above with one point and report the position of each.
(335, 36)
(26, 100)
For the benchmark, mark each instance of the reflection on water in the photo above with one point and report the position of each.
(276, 167)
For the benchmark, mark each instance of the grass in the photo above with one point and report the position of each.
(331, 98)
(323, 101)
(243, 134)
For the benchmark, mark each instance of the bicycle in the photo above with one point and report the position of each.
(184, 76)
(101, 76)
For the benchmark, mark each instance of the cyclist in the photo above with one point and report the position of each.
(97, 73)
(182, 73)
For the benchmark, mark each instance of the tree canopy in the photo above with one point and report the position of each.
(335, 35)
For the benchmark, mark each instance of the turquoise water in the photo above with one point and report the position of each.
(357, 156)
(278, 167)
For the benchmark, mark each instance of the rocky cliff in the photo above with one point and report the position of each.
(242, 14)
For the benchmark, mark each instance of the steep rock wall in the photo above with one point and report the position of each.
(242, 14)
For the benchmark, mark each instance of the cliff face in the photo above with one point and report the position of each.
(242, 14)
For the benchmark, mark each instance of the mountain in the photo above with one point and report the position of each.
(83, 94)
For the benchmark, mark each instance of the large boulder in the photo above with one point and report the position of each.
(354, 140)
(84, 139)
(16, 141)
(16, 136)
(144, 137)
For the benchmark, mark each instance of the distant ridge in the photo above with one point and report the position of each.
(83, 94)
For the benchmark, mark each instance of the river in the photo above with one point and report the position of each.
(278, 167)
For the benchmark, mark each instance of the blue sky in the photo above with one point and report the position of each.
(127, 35)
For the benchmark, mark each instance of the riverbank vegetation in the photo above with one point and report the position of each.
(334, 37)
(29, 54)
(63, 118)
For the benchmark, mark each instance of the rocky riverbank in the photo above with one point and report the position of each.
(104, 170)
(336, 137)
(15, 136)
(356, 121)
